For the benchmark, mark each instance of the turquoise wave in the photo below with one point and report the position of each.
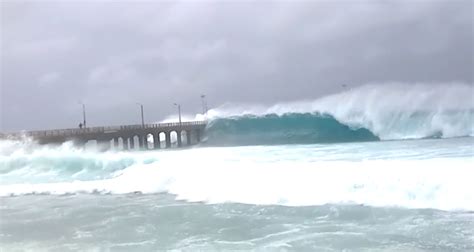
(291, 128)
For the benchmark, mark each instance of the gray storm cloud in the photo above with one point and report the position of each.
(112, 55)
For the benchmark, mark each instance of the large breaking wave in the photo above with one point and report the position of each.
(367, 113)
(418, 174)
(285, 129)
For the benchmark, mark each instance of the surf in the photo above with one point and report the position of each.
(265, 175)
(394, 111)
(413, 174)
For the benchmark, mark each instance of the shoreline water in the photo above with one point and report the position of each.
(142, 222)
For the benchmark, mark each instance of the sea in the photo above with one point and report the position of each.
(375, 168)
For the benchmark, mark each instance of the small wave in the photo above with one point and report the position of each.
(26, 160)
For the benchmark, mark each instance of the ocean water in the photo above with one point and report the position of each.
(367, 174)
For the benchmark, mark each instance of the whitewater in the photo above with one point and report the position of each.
(379, 167)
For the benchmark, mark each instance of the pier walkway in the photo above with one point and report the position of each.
(125, 137)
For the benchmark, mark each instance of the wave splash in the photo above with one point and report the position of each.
(372, 112)
(429, 175)
(22, 161)
(401, 183)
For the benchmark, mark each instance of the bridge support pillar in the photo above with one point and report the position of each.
(145, 142)
(198, 136)
(131, 142)
(156, 141)
(168, 139)
(115, 144)
(124, 143)
(178, 138)
(188, 137)
(141, 142)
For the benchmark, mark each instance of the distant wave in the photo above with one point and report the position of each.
(367, 113)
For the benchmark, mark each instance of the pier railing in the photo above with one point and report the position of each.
(106, 129)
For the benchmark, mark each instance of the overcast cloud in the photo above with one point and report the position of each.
(112, 55)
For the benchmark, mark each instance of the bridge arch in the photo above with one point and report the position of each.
(134, 142)
(119, 145)
(126, 142)
(174, 138)
(149, 141)
(162, 139)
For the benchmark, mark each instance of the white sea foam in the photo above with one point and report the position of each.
(265, 175)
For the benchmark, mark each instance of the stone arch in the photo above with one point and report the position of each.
(126, 143)
(149, 141)
(112, 143)
(136, 142)
(129, 142)
(162, 139)
(174, 138)
(120, 143)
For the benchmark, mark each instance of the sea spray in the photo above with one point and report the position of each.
(388, 112)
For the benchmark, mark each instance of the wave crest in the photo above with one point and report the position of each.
(387, 112)
(286, 129)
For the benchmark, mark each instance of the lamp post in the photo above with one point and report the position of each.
(204, 104)
(143, 119)
(83, 114)
(179, 112)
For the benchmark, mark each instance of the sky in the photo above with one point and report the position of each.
(110, 56)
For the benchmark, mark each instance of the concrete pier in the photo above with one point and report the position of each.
(120, 137)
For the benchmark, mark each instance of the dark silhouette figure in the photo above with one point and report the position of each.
(80, 125)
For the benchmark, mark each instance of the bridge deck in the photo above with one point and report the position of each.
(98, 130)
